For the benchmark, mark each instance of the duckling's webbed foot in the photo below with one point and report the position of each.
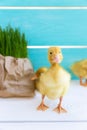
(42, 106)
(83, 84)
(60, 109)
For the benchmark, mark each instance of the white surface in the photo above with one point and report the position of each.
(21, 114)
(44, 126)
(25, 109)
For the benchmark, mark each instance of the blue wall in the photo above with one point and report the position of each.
(43, 2)
(50, 27)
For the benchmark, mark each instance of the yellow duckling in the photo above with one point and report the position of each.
(54, 81)
(80, 70)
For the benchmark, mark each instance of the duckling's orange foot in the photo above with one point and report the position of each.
(42, 107)
(59, 109)
(83, 84)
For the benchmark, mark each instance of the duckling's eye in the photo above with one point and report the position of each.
(50, 53)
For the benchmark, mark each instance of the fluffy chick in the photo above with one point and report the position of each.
(80, 70)
(55, 81)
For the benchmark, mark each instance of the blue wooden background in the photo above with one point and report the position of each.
(43, 2)
(50, 27)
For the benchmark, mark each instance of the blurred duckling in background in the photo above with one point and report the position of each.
(80, 70)
(53, 82)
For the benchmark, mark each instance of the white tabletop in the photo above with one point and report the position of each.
(22, 112)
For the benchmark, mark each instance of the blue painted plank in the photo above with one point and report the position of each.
(43, 3)
(49, 27)
(39, 58)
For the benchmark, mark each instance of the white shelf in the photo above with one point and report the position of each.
(21, 114)
(24, 109)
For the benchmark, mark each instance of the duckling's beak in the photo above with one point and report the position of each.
(57, 59)
(34, 77)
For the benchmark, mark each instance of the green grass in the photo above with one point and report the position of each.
(12, 42)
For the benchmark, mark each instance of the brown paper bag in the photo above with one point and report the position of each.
(15, 77)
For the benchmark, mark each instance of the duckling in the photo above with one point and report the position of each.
(53, 82)
(79, 68)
